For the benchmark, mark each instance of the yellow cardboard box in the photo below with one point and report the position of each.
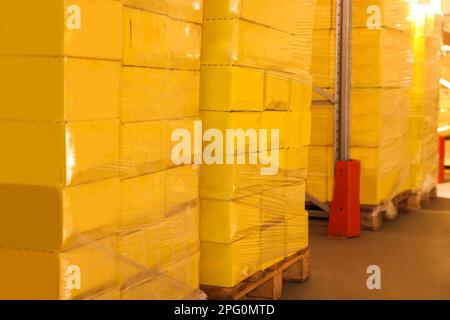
(322, 127)
(76, 28)
(224, 121)
(277, 92)
(294, 196)
(238, 42)
(301, 93)
(323, 58)
(373, 61)
(179, 236)
(299, 129)
(323, 14)
(394, 14)
(378, 118)
(297, 233)
(237, 181)
(233, 88)
(384, 172)
(283, 203)
(227, 221)
(153, 40)
(185, 272)
(181, 190)
(272, 207)
(283, 14)
(142, 148)
(225, 265)
(297, 159)
(55, 154)
(173, 154)
(381, 174)
(276, 120)
(158, 94)
(43, 218)
(321, 172)
(138, 252)
(272, 174)
(185, 10)
(58, 89)
(73, 274)
(157, 286)
(230, 88)
(318, 187)
(273, 244)
(142, 200)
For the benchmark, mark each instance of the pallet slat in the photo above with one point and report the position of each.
(267, 284)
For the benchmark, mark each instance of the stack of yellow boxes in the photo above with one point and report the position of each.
(159, 94)
(381, 76)
(255, 75)
(60, 184)
(425, 99)
(444, 101)
(92, 207)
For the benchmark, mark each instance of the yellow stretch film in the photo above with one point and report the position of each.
(75, 28)
(380, 58)
(444, 96)
(393, 14)
(423, 116)
(382, 76)
(255, 74)
(90, 195)
(91, 92)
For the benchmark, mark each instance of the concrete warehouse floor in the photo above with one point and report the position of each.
(412, 252)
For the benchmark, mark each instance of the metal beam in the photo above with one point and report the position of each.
(330, 98)
(343, 79)
(341, 98)
(316, 214)
(317, 202)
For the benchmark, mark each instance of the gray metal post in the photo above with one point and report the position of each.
(341, 98)
(343, 79)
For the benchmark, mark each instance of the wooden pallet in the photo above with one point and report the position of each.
(419, 198)
(267, 284)
(372, 216)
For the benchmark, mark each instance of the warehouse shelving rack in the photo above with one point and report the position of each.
(344, 213)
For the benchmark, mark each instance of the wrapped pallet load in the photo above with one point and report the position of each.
(381, 78)
(424, 109)
(444, 101)
(255, 80)
(93, 207)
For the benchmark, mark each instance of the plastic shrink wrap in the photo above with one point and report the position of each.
(92, 207)
(444, 101)
(366, 13)
(255, 74)
(424, 108)
(378, 139)
(381, 78)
